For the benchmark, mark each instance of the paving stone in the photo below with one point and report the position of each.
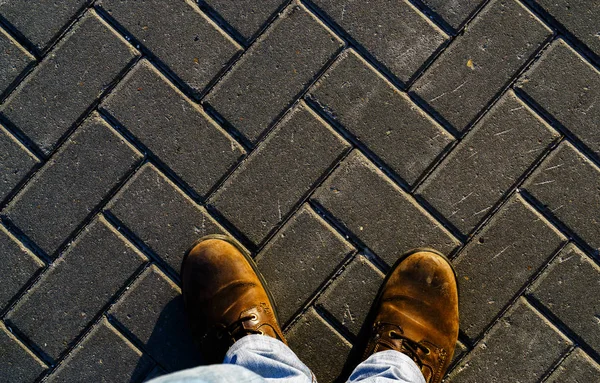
(103, 356)
(469, 74)
(274, 71)
(393, 31)
(567, 87)
(13, 60)
(570, 289)
(567, 184)
(173, 128)
(459, 351)
(17, 267)
(385, 218)
(381, 117)
(350, 296)
(319, 346)
(521, 335)
(288, 164)
(15, 162)
(477, 173)
(578, 367)
(178, 34)
(67, 82)
(454, 12)
(500, 260)
(75, 288)
(152, 312)
(66, 190)
(155, 373)
(580, 17)
(40, 22)
(246, 16)
(17, 363)
(169, 227)
(307, 251)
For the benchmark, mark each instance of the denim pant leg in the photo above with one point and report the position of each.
(387, 367)
(252, 359)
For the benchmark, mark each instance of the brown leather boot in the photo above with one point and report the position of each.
(225, 296)
(416, 313)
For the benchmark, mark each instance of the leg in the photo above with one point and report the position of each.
(252, 359)
(415, 323)
(232, 316)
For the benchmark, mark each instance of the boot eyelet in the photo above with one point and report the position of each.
(427, 351)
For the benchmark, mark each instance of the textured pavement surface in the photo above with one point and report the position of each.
(328, 137)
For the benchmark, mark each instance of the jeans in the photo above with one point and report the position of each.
(260, 359)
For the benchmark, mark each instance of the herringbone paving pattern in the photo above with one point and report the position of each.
(328, 137)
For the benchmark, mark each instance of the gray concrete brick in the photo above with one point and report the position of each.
(38, 21)
(570, 289)
(13, 60)
(288, 164)
(453, 12)
(381, 117)
(103, 356)
(173, 128)
(459, 351)
(394, 31)
(15, 162)
(500, 260)
(67, 82)
(160, 215)
(274, 71)
(567, 87)
(479, 171)
(481, 62)
(246, 16)
(351, 295)
(319, 346)
(521, 347)
(384, 217)
(567, 184)
(152, 312)
(580, 17)
(17, 267)
(314, 249)
(578, 367)
(17, 364)
(66, 190)
(155, 373)
(178, 34)
(75, 288)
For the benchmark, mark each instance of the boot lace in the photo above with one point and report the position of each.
(406, 346)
